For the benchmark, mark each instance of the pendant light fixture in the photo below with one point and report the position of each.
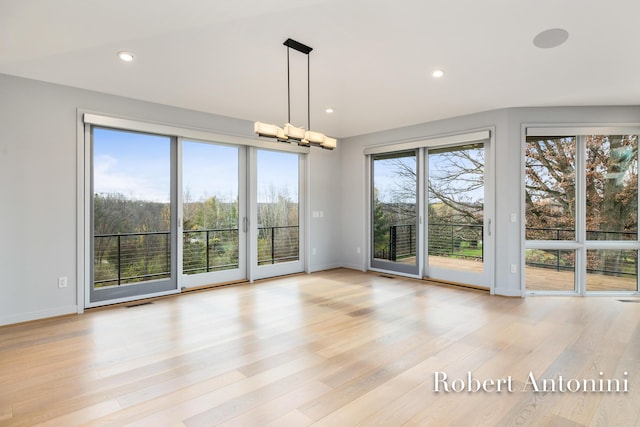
(289, 132)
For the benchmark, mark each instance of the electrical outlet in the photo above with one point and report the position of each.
(313, 251)
(62, 282)
(514, 268)
(358, 250)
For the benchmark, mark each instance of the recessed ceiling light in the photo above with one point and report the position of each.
(329, 110)
(437, 73)
(553, 37)
(126, 56)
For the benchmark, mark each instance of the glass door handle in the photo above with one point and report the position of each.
(489, 227)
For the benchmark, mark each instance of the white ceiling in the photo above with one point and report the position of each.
(371, 62)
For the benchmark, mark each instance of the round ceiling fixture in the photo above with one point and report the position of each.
(126, 56)
(329, 110)
(437, 73)
(551, 38)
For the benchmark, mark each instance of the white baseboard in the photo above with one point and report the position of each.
(316, 268)
(508, 292)
(37, 315)
(353, 267)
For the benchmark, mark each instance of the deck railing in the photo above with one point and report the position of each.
(464, 241)
(278, 244)
(134, 257)
(131, 257)
(542, 233)
(209, 250)
(562, 260)
(455, 240)
(126, 258)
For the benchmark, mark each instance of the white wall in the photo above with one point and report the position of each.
(38, 218)
(324, 195)
(508, 176)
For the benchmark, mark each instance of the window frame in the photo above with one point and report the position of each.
(581, 245)
(86, 119)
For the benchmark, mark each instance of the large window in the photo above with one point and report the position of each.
(611, 173)
(210, 204)
(170, 208)
(132, 211)
(551, 188)
(582, 212)
(278, 208)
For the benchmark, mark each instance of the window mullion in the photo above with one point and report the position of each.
(581, 213)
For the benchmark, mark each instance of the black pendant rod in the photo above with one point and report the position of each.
(292, 44)
(288, 89)
(308, 96)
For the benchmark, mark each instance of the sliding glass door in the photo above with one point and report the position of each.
(133, 215)
(394, 216)
(213, 213)
(278, 232)
(458, 231)
(431, 210)
(169, 213)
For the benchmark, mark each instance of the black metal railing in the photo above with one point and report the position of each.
(450, 240)
(131, 257)
(562, 260)
(399, 244)
(545, 233)
(126, 258)
(278, 244)
(457, 240)
(209, 250)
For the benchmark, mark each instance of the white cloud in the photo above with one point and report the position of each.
(110, 178)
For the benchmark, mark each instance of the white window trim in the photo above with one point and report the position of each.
(186, 133)
(576, 130)
(464, 137)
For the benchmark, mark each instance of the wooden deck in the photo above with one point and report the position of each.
(545, 279)
(541, 279)
(336, 348)
(449, 263)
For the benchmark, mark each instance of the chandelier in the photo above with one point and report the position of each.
(290, 133)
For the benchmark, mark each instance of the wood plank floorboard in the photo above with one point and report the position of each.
(334, 348)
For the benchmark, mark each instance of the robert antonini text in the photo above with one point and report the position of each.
(443, 384)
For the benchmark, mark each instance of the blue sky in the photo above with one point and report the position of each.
(388, 181)
(138, 166)
(277, 171)
(209, 170)
(133, 164)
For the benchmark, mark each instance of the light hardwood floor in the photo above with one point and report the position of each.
(337, 348)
